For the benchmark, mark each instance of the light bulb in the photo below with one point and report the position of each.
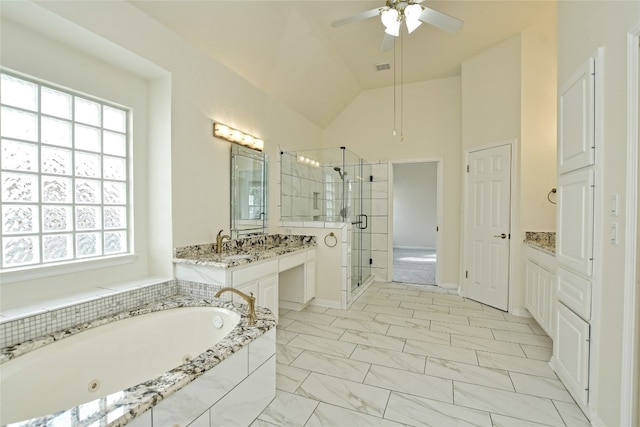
(393, 29)
(412, 15)
(389, 17)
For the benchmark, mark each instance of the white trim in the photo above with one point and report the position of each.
(439, 161)
(75, 266)
(629, 365)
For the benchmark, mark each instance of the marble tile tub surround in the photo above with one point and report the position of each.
(119, 408)
(542, 239)
(256, 248)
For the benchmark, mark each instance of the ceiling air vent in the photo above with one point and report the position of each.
(383, 66)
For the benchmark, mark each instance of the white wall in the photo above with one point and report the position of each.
(431, 130)
(582, 28)
(188, 191)
(414, 205)
(508, 94)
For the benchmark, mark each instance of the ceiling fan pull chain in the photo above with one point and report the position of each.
(401, 87)
(395, 63)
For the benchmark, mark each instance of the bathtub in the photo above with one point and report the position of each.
(126, 366)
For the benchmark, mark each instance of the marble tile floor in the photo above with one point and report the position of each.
(406, 356)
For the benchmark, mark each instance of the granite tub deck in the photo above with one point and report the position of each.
(124, 406)
(243, 251)
(545, 240)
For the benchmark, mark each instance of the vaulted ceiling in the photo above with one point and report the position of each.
(290, 50)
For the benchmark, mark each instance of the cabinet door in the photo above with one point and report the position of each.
(531, 296)
(571, 352)
(576, 120)
(268, 294)
(544, 298)
(574, 241)
(247, 288)
(310, 283)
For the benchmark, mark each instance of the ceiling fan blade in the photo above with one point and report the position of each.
(357, 17)
(387, 42)
(440, 20)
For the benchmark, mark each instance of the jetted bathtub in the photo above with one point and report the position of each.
(148, 356)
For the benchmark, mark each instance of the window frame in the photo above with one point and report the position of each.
(43, 268)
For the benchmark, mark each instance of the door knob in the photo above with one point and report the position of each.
(502, 236)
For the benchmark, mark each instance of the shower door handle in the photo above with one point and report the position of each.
(359, 222)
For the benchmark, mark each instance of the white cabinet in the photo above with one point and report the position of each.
(290, 276)
(574, 242)
(540, 288)
(576, 134)
(571, 353)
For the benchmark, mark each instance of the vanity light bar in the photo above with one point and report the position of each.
(237, 137)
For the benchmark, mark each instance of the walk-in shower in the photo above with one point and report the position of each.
(330, 185)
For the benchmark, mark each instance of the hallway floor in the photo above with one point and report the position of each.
(403, 355)
(417, 266)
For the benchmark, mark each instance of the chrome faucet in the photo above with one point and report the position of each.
(219, 239)
(250, 299)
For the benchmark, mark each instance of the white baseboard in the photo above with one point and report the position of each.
(290, 305)
(325, 303)
(448, 285)
(520, 312)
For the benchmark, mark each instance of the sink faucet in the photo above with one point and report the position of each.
(219, 239)
(250, 299)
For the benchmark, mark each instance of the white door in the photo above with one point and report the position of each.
(488, 226)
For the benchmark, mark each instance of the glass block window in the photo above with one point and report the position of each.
(63, 175)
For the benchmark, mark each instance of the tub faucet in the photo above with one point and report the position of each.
(250, 299)
(219, 240)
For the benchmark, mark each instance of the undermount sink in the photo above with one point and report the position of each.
(236, 257)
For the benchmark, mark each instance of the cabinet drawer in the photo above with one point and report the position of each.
(574, 291)
(291, 261)
(248, 274)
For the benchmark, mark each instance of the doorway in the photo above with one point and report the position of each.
(415, 222)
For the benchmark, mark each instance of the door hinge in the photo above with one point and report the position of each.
(437, 228)
(370, 178)
(466, 274)
(370, 261)
(509, 235)
(467, 168)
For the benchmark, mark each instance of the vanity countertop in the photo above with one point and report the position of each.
(545, 240)
(243, 251)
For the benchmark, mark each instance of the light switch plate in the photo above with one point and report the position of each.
(614, 204)
(613, 236)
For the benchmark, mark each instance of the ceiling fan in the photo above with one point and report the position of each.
(410, 11)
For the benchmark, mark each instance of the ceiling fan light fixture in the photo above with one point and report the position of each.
(389, 18)
(412, 16)
(393, 29)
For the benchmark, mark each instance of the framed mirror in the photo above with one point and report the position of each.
(248, 192)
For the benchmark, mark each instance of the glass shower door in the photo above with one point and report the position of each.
(361, 224)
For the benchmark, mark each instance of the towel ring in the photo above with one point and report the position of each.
(553, 191)
(328, 236)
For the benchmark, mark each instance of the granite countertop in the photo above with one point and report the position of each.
(243, 251)
(131, 402)
(545, 240)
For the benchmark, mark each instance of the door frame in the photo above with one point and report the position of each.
(439, 161)
(630, 345)
(514, 249)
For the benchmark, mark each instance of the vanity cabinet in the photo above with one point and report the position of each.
(540, 288)
(286, 280)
